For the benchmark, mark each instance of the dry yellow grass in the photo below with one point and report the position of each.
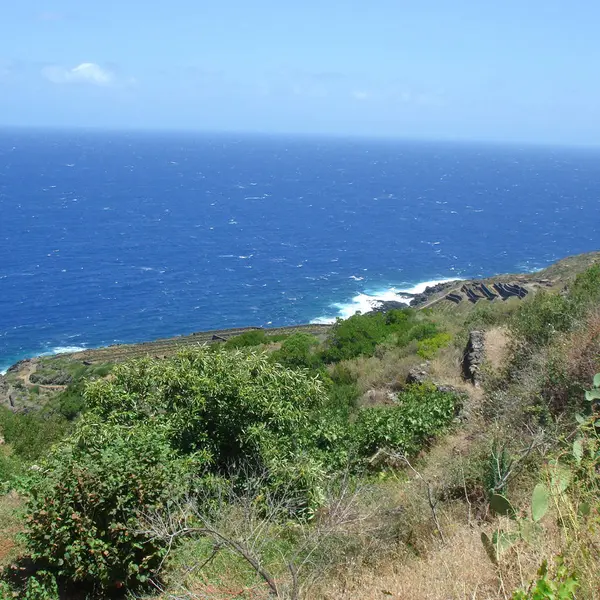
(496, 346)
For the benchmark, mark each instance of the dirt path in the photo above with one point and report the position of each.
(25, 376)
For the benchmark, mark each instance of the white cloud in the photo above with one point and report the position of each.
(84, 73)
(360, 95)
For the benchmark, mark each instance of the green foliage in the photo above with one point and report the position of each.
(419, 331)
(593, 395)
(41, 586)
(497, 466)
(360, 334)
(539, 502)
(561, 586)
(297, 352)
(256, 337)
(421, 413)
(232, 405)
(501, 506)
(31, 434)
(83, 505)
(10, 467)
(541, 317)
(148, 430)
(585, 290)
(429, 347)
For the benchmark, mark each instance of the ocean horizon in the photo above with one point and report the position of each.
(117, 237)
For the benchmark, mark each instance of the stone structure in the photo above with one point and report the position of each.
(474, 355)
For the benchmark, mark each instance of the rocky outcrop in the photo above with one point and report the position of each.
(383, 306)
(473, 357)
(418, 374)
(431, 291)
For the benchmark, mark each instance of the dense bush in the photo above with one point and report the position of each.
(420, 413)
(546, 314)
(541, 317)
(359, 335)
(31, 435)
(229, 404)
(151, 427)
(41, 586)
(255, 337)
(10, 467)
(297, 351)
(585, 291)
(83, 505)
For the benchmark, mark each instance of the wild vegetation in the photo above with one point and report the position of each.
(293, 466)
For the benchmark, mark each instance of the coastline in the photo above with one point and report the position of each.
(421, 295)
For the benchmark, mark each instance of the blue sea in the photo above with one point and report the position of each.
(123, 237)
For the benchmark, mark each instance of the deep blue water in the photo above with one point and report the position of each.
(120, 237)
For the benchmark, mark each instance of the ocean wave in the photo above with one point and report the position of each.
(4, 366)
(420, 287)
(367, 301)
(63, 350)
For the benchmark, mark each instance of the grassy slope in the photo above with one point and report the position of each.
(417, 564)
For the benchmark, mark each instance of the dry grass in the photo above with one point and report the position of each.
(496, 346)
(10, 526)
(387, 370)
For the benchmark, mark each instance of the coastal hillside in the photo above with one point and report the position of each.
(443, 450)
(32, 382)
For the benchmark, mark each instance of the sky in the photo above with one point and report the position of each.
(510, 70)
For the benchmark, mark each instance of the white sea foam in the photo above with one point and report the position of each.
(367, 301)
(63, 350)
(420, 287)
(56, 350)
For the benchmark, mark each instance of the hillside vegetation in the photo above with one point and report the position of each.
(353, 462)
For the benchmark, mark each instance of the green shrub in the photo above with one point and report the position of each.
(417, 332)
(41, 586)
(151, 427)
(560, 586)
(297, 352)
(31, 435)
(428, 347)
(222, 403)
(355, 336)
(83, 504)
(256, 337)
(10, 467)
(541, 317)
(420, 413)
(360, 334)
(585, 290)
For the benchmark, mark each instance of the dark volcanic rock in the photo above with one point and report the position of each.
(387, 305)
(430, 291)
(418, 374)
(474, 355)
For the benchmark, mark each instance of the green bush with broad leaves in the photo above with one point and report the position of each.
(561, 585)
(41, 586)
(420, 413)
